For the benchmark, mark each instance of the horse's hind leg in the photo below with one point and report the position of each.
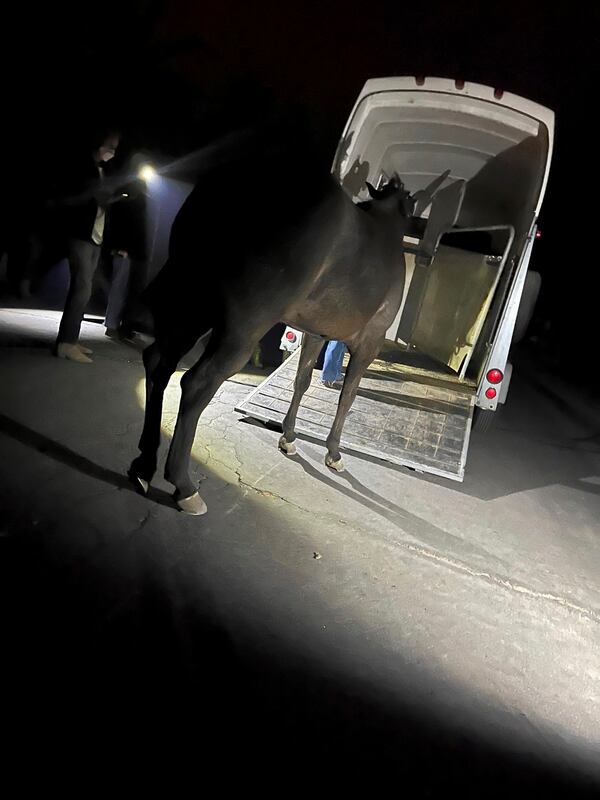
(160, 361)
(361, 356)
(225, 355)
(311, 347)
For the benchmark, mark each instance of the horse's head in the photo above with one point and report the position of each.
(392, 196)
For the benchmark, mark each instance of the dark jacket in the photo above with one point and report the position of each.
(127, 227)
(78, 194)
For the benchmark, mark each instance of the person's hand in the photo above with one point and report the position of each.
(103, 196)
(122, 253)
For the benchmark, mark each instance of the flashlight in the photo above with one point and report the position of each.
(147, 173)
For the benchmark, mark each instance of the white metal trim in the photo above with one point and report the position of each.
(507, 100)
(498, 356)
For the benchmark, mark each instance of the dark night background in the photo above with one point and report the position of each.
(175, 75)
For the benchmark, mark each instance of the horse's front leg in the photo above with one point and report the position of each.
(311, 347)
(361, 356)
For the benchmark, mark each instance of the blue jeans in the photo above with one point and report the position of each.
(83, 260)
(332, 364)
(119, 289)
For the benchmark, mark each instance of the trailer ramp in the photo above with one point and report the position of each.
(396, 416)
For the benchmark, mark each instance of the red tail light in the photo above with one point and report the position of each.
(490, 393)
(494, 376)
(290, 336)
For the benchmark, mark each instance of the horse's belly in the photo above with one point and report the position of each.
(328, 320)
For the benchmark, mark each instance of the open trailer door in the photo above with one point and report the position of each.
(455, 295)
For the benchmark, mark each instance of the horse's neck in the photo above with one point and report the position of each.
(387, 222)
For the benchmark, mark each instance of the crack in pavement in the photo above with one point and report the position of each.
(142, 524)
(502, 582)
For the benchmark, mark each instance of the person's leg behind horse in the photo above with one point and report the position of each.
(332, 364)
(134, 316)
(118, 293)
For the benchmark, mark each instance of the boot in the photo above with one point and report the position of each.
(72, 352)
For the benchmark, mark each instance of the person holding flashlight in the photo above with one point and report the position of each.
(83, 209)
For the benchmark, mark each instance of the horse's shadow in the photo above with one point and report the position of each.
(70, 458)
(419, 528)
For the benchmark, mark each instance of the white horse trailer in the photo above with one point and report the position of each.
(467, 255)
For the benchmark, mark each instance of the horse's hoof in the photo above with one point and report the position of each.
(336, 466)
(140, 485)
(193, 505)
(289, 448)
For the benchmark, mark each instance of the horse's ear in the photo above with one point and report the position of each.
(373, 193)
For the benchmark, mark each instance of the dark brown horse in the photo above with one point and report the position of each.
(242, 260)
